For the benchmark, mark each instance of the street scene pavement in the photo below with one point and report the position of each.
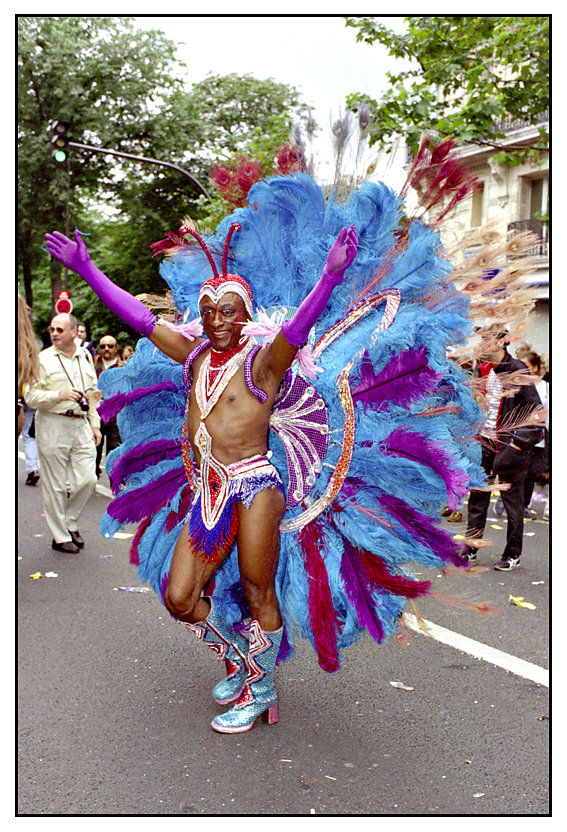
(115, 700)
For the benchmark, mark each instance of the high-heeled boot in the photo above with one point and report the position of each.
(228, 645)
(259, 696)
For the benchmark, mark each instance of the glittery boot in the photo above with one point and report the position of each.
(259, 694)
(230, 646)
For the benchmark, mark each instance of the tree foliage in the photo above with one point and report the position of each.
(123, 89)
(468, 77)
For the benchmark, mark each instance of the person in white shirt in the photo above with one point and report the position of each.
(67, 429)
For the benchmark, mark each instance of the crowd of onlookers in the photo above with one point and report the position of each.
(104, 355)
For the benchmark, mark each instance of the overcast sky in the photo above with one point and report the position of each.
(317, 54)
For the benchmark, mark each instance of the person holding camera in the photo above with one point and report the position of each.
(67, 427)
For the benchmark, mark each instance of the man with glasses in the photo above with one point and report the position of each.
(107, 359)
(67, 429)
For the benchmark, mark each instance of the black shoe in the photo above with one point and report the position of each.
(77, 539)
(506, 564)
(68, 547)
(470, 556)
(33, 478)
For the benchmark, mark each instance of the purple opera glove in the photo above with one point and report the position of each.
(339, 258)
(74, 256)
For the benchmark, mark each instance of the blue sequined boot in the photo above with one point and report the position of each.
(259, 694)
(230, 646)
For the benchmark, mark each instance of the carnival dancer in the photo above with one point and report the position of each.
(238, 494)
(313, 529)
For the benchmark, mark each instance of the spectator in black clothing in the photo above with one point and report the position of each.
(107, 359)
(84, 340)
(506, 450)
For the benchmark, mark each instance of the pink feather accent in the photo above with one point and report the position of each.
(307, 365)
(191, 330)
(265, 327)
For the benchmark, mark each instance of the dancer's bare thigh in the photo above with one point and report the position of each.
(188, 575)
(258, 549)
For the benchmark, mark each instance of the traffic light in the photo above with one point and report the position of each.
(58, 140)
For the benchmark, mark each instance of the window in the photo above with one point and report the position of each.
(477, 206)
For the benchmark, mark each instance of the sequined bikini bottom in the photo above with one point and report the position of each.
(213, 521)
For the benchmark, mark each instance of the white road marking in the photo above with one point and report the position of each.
(106, 492)
(481, 651)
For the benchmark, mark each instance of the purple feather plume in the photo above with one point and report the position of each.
(140, 457)
(109, 408)
(411, 445)
(423, 529)
(406, 377)
(131, 506)
(355, 583)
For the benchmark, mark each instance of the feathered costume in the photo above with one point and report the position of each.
(370, 444)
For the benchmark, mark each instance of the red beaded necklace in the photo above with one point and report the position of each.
(219, 359)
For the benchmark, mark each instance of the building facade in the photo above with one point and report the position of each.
(517, 197)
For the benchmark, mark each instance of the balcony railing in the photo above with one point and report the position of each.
(518, 123)
(538, 229)
(507, 125)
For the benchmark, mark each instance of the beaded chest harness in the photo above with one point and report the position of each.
(299, 416)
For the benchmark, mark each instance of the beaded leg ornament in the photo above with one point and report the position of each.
(229, 646)
(259, 696)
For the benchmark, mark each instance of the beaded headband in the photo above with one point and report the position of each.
(219, 284)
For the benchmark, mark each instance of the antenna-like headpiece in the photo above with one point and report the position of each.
(234, 227)
(186, 230)
(217, 285)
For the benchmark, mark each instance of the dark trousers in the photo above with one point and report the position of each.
(537, 465)
(110, 437)
(512, 500)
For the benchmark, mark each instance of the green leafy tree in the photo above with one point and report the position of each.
(239, 116)
(101, 76)
(122, 89)
(468, 77)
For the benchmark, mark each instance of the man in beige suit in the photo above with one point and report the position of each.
(67, 431)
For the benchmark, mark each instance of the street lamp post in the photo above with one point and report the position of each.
(134, 158)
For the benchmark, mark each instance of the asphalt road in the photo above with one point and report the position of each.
(115, 706)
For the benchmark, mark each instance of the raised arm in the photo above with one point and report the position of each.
(74, 255)
(295, 332)
(339, 258)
